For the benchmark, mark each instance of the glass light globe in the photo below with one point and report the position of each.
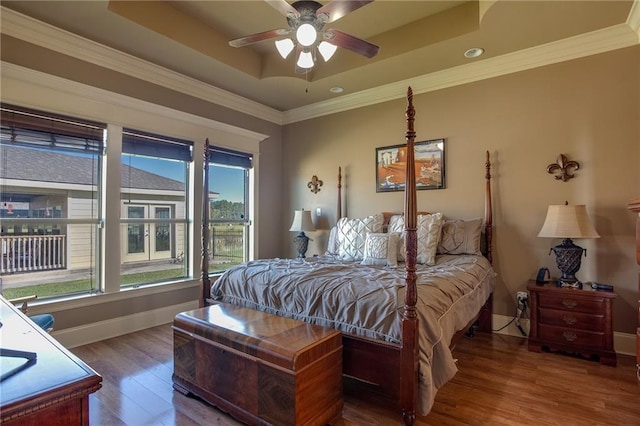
(327, 50)
(305, 60)
(306, 34)
(284, 47)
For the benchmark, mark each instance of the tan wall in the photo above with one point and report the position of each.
(588, 109)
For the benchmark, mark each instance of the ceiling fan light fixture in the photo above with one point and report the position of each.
(306, 35)
(305, 60)
(285, 47)
(327, 50)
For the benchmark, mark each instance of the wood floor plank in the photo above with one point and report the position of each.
(499, 383)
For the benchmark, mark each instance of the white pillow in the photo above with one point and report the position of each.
(381, 249)
(460, 237)
(332, 244)
(429, 228)
(352, 234)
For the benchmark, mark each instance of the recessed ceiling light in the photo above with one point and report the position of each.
(474, 52)
(336, 89)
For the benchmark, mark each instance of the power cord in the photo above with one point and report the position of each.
(520, 310)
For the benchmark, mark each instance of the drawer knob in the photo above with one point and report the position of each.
(569, 336)
(569, 320)
(569, 303)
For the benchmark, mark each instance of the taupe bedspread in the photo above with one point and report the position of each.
(366, 301)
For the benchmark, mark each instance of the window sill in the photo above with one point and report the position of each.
(67, 303)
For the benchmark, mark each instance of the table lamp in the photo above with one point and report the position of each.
(302, 222)
(566, 222)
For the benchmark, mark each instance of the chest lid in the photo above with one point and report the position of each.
(285, 342)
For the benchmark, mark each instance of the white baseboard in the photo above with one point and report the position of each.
(623, 343)
(89, 333)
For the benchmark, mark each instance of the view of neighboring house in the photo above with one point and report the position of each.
(44, 194)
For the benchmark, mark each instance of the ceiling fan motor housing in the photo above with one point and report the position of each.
(307, 10)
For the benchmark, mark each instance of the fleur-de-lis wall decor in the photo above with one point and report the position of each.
(315, 184)
(561, 169)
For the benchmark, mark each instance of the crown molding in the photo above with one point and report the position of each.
(633, 20)
(601, 41)
(50, 37)
(45, 35)
(19, 73)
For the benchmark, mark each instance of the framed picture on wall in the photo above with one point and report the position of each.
(429, 163)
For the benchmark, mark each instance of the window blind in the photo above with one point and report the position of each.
(27, 127)
(228, 157)
(142, 143)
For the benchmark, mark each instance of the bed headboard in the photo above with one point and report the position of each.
(487, 227)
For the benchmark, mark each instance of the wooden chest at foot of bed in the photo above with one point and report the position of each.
(261, 368)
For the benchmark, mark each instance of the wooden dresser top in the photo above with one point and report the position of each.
(55, 375)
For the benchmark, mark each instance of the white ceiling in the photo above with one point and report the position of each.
(416, 39)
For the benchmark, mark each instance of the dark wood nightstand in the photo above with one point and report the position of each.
(572, 320)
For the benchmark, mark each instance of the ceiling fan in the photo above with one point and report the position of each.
(306, 19)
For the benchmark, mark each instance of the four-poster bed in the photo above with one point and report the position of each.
(395, 357)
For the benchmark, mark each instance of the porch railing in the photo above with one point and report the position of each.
(30, 253)
(226, 245)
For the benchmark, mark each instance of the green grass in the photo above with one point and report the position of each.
(84, 285)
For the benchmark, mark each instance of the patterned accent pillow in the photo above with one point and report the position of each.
(352, 234)
(429, 227)
(460, 237)
(381, 249)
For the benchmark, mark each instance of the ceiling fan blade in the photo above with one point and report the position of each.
(336, 9)
(254, 38)
(347, 41)
(283, 7)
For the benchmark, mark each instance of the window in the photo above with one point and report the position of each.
(229, 227)
(154, 200)
(50, 192)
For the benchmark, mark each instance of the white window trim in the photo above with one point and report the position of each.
(33, 89)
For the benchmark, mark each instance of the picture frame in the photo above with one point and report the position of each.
(429, 158)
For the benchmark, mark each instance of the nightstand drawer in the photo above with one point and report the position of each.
(569, 302)
(571, 336)
(569, 319)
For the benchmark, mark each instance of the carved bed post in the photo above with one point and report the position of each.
(485, 320)
(488, 216)
(339, 210)
(409, 355)
(205, 283)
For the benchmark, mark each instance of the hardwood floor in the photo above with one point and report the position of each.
(499, 383)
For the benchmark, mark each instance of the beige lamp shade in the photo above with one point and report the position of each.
(302, 221)
(567, 221)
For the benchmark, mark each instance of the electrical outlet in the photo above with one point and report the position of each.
(522, 296)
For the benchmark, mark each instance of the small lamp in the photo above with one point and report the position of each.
(302, 222)
(565, 221)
